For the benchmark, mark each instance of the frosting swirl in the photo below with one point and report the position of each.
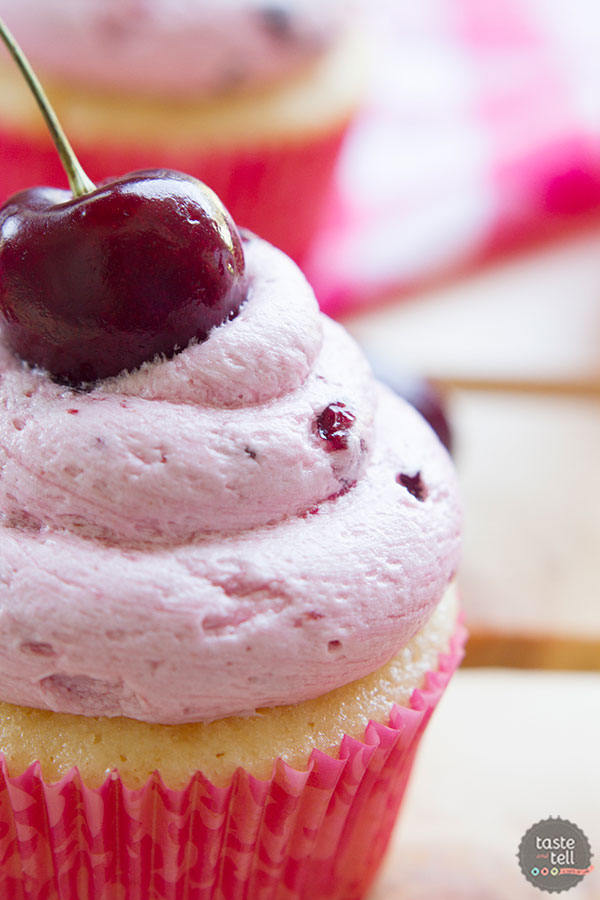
(176, 48)
(190, 541)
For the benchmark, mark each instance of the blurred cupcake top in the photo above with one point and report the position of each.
(251, 523)
(174, 47)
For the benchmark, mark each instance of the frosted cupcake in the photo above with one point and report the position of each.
(252, 97)
(226, 599)
(226, 558)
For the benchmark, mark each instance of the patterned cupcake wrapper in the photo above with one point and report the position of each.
(306, 835)
(278, 190)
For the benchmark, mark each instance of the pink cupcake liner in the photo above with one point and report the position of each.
(313, 835)
(277, 190)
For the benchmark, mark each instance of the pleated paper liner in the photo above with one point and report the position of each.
(319, 834)
(278, 190)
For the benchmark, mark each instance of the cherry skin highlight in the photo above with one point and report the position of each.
(93, 285)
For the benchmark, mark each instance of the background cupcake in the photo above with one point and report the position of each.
(252, 97)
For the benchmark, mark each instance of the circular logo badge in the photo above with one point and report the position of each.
(554, 855)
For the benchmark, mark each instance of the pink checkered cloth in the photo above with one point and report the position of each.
(481, 132)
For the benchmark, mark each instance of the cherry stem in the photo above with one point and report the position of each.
(79, 183)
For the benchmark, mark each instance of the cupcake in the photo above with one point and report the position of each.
(226, 559)
(252, 97)
(226, 612)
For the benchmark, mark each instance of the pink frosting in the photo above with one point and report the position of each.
(182, 543)
(173, 47)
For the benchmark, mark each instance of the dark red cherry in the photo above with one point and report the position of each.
(101, 279)
(414, 484)
(95, 284)
(420, 393)
(333, 425)
(428, 400)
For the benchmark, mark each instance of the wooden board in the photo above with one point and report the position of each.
(517, 348)
(530, 576)
(532, 319)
